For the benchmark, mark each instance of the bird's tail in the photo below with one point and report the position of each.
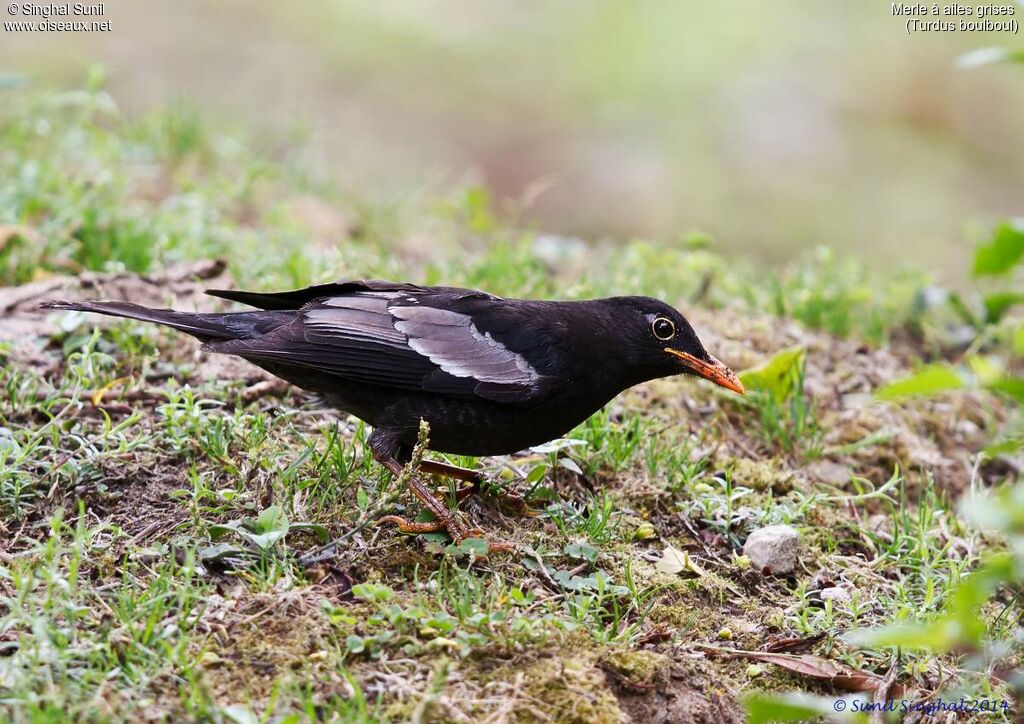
(206, 327)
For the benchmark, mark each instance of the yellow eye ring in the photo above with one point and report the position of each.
(663, 328)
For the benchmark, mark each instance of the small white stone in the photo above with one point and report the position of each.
(836, 594)
(773, 550)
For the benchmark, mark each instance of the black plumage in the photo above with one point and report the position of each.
(490, 375)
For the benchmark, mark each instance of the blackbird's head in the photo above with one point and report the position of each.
(659, 340)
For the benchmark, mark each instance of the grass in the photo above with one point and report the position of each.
(155, 509)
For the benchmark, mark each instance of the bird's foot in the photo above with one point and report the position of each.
(406, 526)
(445, 519)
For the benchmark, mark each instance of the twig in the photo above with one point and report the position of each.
(882, 692)
(696, 536)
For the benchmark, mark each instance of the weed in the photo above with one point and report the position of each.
(788, 419)
(597, 520)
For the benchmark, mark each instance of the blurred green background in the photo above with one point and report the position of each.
(775, 127)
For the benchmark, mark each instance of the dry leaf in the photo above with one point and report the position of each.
(793, 644)
(815, 667)
(674, 561)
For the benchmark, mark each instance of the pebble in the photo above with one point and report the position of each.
(773, 550)
(836, 594)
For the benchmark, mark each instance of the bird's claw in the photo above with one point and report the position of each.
(495, 546)
(405, 526)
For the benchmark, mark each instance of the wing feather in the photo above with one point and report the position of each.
(400, 337)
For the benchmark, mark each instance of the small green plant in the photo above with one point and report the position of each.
(840, 295)
(962, 623)
(993, 360)
(716, 504)
(610, 445)
(776, 392)
(266, 530)
(597, 520)
(420, 627)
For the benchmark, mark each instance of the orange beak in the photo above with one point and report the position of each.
(710, 370)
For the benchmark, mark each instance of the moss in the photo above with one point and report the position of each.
(825, 525)
(681, 616)
(252, 655)
(692, 617)
(571, 690)
(640, 667)
(763, 475)
(564, 684)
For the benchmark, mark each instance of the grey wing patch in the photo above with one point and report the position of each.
(452, 342)
(362, 316)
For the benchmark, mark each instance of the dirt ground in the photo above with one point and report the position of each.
(538, 663)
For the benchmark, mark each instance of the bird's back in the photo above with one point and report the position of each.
(491, 375)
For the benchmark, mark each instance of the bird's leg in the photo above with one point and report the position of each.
(386, 450)
(446, 519)
(475, 480)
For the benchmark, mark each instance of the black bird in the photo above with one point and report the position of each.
(491, 376)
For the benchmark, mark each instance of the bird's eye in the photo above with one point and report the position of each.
(663, 329)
